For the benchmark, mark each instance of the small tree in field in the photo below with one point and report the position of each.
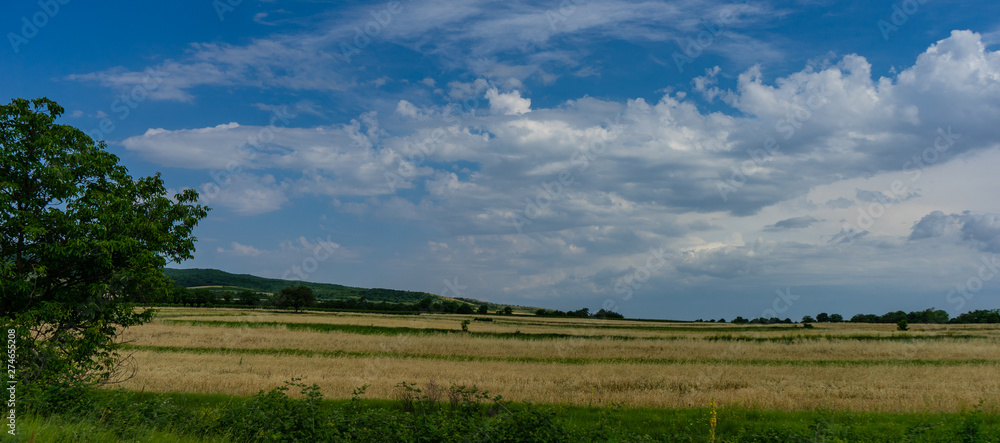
(297, 297)
(81, 243)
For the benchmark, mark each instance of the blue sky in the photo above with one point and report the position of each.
(664, 159)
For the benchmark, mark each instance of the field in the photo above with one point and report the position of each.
(636, 364)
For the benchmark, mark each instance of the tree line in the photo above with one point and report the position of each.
(298, 297)
(927, 316)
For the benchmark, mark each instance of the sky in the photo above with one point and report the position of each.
(679, 160)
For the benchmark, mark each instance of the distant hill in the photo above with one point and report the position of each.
(221, 281)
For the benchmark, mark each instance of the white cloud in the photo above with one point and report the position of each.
(509, 103)
(239, 249)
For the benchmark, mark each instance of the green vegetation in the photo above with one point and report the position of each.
(563, 360)
(458, 414)
(384, 330)
(220, 281)
(927, 316)
(81, 242)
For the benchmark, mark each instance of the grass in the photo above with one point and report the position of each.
(598, 421)
(602, 379)
(563, 361)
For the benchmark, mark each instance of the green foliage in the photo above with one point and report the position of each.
(462, 414)
(81, 242)
(248, 298)
(465, 325)
(902, 325)
(482, 310)
(323, 291)
(296, 297)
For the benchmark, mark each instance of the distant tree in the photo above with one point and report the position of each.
(482, 310)
(227, 297)
(823, 317)
(203, 297)
(507, 310)
(425, 303)
(893, 317)
(607, 314)
(464, 308)
(297, 297)
(739, 320)
(249, 298)
(808, 319)
(836, 318)
(722, 320)
(902, 325)
(180, 295)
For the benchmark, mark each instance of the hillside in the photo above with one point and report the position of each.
(221, 281)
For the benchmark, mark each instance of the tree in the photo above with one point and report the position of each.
(823, 317)
(808, 319)
(297, 297)
(249, 298)
(203, 297)
(506, 311)
(836, 318)
(482, 310)
(81, 243)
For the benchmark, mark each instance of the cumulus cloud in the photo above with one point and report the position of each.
(979, 230)
(510, 103)
(595, 183)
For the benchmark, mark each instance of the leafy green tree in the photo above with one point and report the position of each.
(180, 295)
(507, 310)
(297, 297)
(249, 298)
(836, 318)
(203, 297)
(81, 243)
(823, 317)
(808, 319)
(482, 310)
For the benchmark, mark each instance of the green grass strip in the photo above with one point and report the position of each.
(399, 330)
(385, 330)
(558, 360)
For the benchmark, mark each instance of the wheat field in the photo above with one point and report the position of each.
(860, 367)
